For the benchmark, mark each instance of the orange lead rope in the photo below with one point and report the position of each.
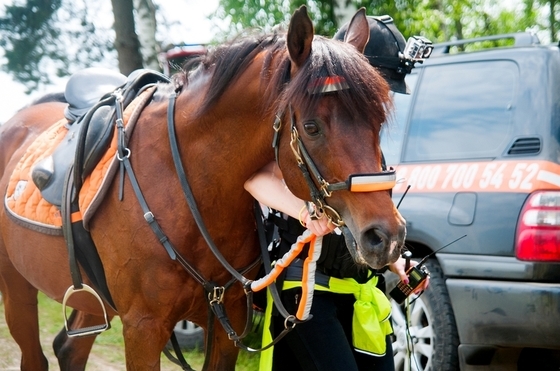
(308, 276)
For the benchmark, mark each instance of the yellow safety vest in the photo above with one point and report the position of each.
(370, 323)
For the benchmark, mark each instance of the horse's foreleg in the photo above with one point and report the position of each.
(20, 309)
(144, 340)
(223, 355)
(73, 352)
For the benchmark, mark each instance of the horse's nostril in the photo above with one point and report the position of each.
(375, 236)
(375, 248)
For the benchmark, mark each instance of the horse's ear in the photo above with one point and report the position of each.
(358, 30)
(300, 36)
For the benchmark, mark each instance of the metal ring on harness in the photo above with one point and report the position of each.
(121, 159)
(290, 319)
(331, 213)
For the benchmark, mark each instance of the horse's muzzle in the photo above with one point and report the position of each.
(378, 247)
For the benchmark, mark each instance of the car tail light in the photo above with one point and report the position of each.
(538, 230)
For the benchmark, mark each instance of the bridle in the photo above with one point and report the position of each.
(319, 187)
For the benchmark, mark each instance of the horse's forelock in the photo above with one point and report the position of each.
(366, 94)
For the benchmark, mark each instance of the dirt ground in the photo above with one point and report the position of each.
(10, 355)
(102, 357)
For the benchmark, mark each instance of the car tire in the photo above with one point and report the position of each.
(189, 336)
(434, 338)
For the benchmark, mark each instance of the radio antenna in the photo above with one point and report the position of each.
(438, 250)
(402, 197)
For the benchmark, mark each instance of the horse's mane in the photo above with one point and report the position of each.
(50, 97)
(367, 94)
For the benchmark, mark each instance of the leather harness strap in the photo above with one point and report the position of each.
(215, 293)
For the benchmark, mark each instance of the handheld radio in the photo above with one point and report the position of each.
(416, 275)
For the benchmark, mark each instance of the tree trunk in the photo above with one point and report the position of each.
(146, 29)
(126, 40)
(552, 19)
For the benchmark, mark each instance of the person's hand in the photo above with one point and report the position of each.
(398, 268)
(319, 227)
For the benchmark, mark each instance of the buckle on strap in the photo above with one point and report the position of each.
(217, 295)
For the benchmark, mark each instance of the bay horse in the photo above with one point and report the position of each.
(242, 97)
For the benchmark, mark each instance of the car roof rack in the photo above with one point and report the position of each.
(520, 39)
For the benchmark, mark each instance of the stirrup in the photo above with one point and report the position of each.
(86, 331)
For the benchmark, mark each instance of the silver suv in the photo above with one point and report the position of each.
(478, 142)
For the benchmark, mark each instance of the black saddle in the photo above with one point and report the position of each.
(59, 177)
(91, 113)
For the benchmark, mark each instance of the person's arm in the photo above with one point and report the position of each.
(267, 187)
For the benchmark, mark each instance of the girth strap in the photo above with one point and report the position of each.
(180, 360)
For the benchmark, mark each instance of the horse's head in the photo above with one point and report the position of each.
(332, 111)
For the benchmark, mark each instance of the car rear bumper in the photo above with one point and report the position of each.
(505, 313)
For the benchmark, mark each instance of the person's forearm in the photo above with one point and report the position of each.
(269, 190)
(267, 187)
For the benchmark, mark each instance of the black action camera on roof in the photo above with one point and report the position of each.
(418, 48)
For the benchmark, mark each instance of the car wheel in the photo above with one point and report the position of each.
(189, 336)
(433, 341)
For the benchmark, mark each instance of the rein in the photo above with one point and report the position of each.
(215, 293)
(291, 320)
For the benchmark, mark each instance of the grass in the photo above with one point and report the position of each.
(109, 346)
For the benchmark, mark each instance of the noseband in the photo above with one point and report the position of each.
(320, 188)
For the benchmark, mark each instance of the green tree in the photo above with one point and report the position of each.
(442, 20)
(126, 39)
(552, 8)
(41, 36)
(33, 41)
(265, 14)
(439, 20)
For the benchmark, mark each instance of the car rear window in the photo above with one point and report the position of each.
(462, 111)
(393, 131)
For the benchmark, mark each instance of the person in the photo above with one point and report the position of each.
(326, 341)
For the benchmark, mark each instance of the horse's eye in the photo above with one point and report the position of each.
(311, 128)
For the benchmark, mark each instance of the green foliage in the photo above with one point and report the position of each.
(442, 20)
(46, 35)
(438, 20)
(27, 37)
(265, 14)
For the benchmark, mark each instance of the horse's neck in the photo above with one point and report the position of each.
(237, 132)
